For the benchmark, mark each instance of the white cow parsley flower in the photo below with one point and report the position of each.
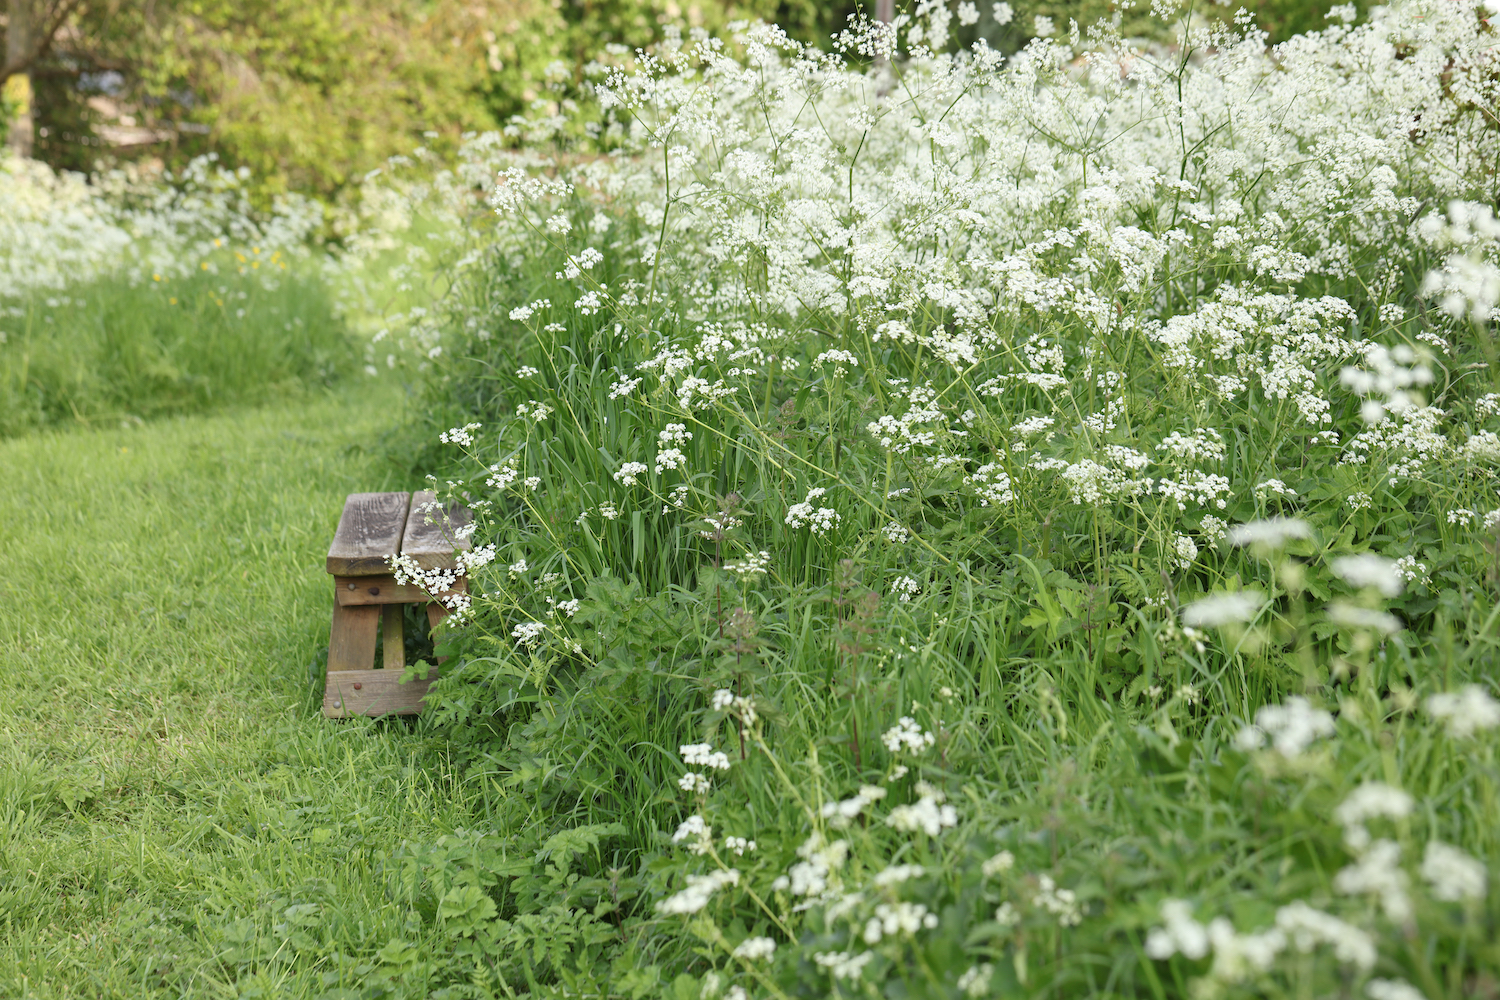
(1218, 610)
(1272, 533)
(1466, 711)
(699, 891)
(629, 472)
(703, 755)
(1290, 728)
(1371, 800)
(906, 736)
(905, 588)
(1370, 570)
(1453, 875)
(461, 436)
(752, 949)
(927, 814)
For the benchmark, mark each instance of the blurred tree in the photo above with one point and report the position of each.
(30, 27)
(307, 93)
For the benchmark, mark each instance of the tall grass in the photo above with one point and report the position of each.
(125, 296)
(113, 349)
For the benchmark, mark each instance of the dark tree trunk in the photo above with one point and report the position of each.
(18, 44)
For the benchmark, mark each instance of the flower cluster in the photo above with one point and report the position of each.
(462, 436)
(1465, 712)
(1290, 728)
(700, 889)
(907, 737)
(927, 814)
(752, 565)
(1238, 956)
(820, 520)
(1157, 368)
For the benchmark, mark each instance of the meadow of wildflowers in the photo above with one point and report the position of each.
(123, 297)
(967, 526)
(947, 525)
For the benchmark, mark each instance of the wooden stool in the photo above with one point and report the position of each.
(367, 599)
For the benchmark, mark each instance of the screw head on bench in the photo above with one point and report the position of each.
(374, 591)
(357, 685)
(351, 586)
(338, 704)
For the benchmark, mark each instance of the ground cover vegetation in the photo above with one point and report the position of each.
(955, 525)
(952, 523)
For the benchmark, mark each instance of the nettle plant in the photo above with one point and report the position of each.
(954, 456)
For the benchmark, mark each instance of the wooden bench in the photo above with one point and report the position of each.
(369, 602)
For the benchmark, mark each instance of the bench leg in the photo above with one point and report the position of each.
(436, 613)
(351, 641)
(354, 687)
(393, 629)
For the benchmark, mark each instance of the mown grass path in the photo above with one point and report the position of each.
(169, 791)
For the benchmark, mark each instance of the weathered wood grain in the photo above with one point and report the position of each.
(368, 601)
(432, 545)
(393, 631)
(351, 640)
(373, 693)
(436, 613)
(384, 590)
(370, 529)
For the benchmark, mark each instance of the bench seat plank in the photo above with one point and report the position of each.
(379, 693)
(432, 545)
(370, 529)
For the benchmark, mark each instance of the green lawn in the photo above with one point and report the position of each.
(176, 817)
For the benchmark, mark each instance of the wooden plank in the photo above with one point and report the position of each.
(384, 590)
(432, 545)
(373, 693)
(351, 641)
(436, 613)
(393, 631)
(369, 530)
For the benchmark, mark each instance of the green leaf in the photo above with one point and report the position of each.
(562, 847)
(464, 909)
(685, 987)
